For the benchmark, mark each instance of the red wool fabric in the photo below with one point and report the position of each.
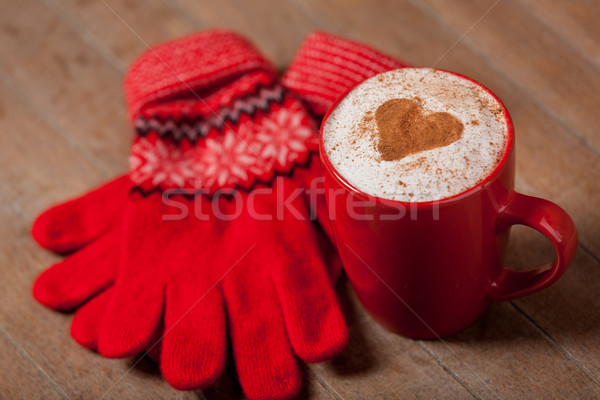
(326, 65)
(136, 273)
(200, 62)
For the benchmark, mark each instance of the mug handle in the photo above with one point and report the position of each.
(548, 219)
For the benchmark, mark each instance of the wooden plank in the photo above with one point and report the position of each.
(504, 356)
(22, 378)
(567, 311)
(275, 27)
(576, 21)
(38, 165)
(408, 35)
(67, 81)
(120, 30)
(108, 29)
(536, 57)
(381, 365)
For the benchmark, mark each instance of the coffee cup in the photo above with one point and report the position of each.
(427, 265)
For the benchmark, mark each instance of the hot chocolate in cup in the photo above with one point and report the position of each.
(416, 134)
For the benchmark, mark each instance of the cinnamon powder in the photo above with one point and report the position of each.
(404, 129)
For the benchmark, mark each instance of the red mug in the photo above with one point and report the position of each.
(429, 269)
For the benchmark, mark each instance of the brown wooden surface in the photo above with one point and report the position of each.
(63, 130)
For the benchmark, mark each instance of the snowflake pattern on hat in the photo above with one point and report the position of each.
(160, 163)
(253, 148)
(284, 136)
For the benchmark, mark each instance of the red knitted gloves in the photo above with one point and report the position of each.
(166, 248)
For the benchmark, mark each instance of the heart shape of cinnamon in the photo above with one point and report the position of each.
(404, 129)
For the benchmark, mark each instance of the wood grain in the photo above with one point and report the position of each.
(67, 81)
(260, 21)
(567, 311)
(64, 130)
(534, 56)
(121, 30)
(20, 377)
(576, 21)
(504, 356)
(381, 365)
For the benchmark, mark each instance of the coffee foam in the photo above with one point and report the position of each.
(351, 136)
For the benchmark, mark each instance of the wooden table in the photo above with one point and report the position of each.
(63, 129)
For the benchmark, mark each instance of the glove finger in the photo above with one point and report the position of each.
(194, 344)
(265, 363)
(331, 258)
(136, 307)
(86, 322)
(311, 178)
(155, 346)
(75, 223)
(77, 278)
(133, 314)
(313, 318)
